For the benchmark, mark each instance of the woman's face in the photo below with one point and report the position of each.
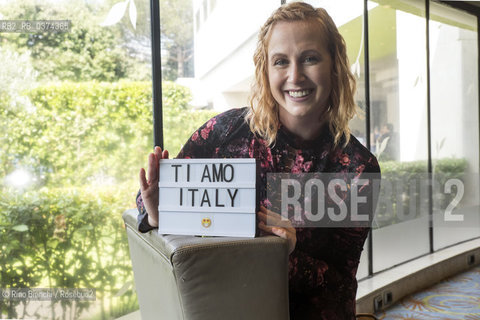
(299, 71)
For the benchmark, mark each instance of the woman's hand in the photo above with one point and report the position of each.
(273, 223)
(149, 188)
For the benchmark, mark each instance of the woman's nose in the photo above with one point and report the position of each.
(295, 73)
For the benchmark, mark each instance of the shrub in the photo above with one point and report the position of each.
(85, 143)
(65, 238)
(91, 132)
(407, 176)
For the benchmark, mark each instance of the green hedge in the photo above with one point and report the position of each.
(410, 174)
(66, 238)
(180, 121)
(85, 143)
(82, 133)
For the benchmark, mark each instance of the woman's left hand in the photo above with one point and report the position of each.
(273, 223)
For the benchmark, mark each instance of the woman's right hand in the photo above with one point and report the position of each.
(149, 188)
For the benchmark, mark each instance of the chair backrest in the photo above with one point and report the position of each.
(197, 278)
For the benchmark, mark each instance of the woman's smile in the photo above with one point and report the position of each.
(296, 94)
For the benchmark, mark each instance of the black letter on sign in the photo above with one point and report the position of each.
(206, 174)
(216, 200)
(225, 173)
(232, 197)
(205, 198)
(193, 195)
(217, 174)
(176, 170)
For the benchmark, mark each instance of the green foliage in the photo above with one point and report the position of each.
(404, 188)
(450, 167)
(79, 133)
(65, 238)
(85, 143)
(87, 52)
(91, 132)
(180, 121)
(175, 97)
(176, 24)
(17, 75)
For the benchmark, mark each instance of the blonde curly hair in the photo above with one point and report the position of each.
(263, 114)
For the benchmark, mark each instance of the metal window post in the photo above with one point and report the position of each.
(156, 73)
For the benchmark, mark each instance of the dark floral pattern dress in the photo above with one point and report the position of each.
(322, 268)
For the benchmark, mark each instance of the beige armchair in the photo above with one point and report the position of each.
(195, 278)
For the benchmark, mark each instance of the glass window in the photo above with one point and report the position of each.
(205, 9)
(197, 21)
(220, 57)
(213, 3)
(75, 112)
(181, 112)
(398, 82)
(224, 49)
(455, 131)
(363, 271)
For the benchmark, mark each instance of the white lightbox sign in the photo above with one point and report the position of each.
(211, 197)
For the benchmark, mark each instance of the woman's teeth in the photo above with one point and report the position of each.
(299, 94)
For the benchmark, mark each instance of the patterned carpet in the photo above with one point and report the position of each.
(455, 298)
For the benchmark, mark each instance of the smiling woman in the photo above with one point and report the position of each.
(301, 103)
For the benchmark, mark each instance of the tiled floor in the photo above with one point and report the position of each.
(455, 298)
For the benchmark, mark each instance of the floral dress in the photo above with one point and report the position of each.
(322, 268)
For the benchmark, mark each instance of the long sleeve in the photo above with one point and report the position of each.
(142, 218)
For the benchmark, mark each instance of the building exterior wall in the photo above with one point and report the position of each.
(225, 38)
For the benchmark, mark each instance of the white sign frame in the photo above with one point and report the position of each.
(207, 197)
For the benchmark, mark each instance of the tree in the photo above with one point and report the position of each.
(176, 33)
(87, 52)
(176, 23)
(16, 77)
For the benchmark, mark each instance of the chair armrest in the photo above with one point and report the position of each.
(209, 278)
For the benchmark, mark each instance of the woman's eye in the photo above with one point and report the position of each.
(311, 59)
(280, 62)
